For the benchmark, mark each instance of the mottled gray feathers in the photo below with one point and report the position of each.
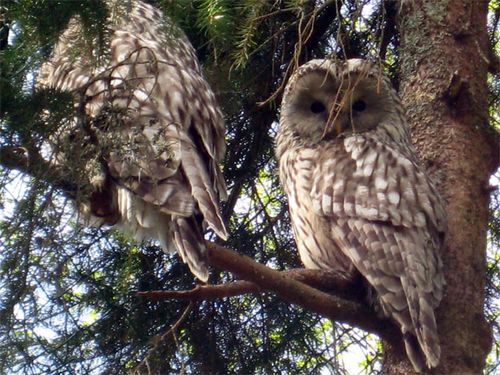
(158, 133)
(358, 199)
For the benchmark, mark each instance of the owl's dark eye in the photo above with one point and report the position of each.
(317, 107)
(359, 106)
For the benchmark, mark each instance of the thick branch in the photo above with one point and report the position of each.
(301, 294)
(299, 286)
(389, 29)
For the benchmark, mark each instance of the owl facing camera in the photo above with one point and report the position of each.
(359, 201)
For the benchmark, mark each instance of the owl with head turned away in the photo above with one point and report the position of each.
(146, 137)
(359, 201)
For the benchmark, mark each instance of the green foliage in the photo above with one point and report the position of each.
(215, 20)
(68, 299)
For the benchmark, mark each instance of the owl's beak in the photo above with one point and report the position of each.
(338, 127)
(334, 124)
(337, 120)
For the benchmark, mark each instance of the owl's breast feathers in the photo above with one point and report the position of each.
(316, 247)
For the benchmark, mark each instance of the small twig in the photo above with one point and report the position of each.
(326, 281)
(204, 292)
(158, 340)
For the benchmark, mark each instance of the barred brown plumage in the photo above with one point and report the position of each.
(148, 133)
(359, 201)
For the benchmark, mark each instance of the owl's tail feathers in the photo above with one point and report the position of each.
(202, 188)
(427, 333)
(421, 357)
(190, 244)
(415, 355)
(421, 341)
(418, 326)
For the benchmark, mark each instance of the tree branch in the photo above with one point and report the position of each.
(28, 160)
(287, 286)
(204, 292)
(389, 9)
(298, 293)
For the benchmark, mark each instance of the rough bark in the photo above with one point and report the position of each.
(444, 67)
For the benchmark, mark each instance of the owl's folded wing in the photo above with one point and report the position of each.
(368, 179)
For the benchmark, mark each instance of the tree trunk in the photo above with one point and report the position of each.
(443, 53)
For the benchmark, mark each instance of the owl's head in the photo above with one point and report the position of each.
(325, 99)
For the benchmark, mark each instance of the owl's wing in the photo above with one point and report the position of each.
(387, 218)
(381, 185)
(171, 129)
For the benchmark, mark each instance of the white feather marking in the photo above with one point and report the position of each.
(354, 255)
(407, 218)
(349, 144)
(368, 170)
(329, 165)
(141, 95)
(354, 145)
(404, 162)
(338, 185)
(349, 208)
(409, 194)
(327, 203)
(361, 210)
(420, 219)
(394, 213)
(307, 153)
(205, 112)
(316, 205)
(303, 164)
(380, 183)
(370, 158)
(393, 197)
(176, 97)
(372, 213)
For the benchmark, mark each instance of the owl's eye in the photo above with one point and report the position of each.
(359, 106)
(317, 107)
